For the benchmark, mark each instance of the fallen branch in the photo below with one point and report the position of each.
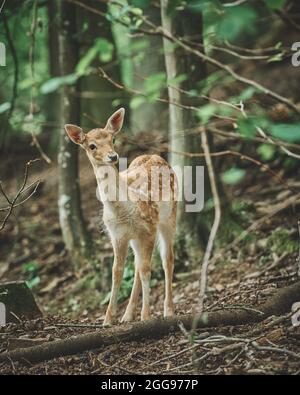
(279, 304)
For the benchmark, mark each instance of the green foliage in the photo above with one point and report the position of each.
(141, 3)
(275, 4)
(154, 84)
(19, 22)
(266, 152)
(152, 88)
(204, 5)
(291, 164)
(233, 176)
(227, 22)
(287, 132)
(55, 83)
(30, 269)
(281, 240)
(126, 285)
(206, 112)
(102, 48)
(235, 21)
(247, 126)
(137, 101)
(4, 107)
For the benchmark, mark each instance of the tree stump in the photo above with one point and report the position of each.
(17, 302)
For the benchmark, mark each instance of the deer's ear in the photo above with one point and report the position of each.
(75, 133)
(115, 122)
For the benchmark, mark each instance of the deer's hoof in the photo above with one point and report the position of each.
(108, 321)
(168, 313)
(127, 317)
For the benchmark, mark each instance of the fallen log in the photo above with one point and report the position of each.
(278, 304)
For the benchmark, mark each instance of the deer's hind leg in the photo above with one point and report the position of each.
(166, 234)
(143, 248)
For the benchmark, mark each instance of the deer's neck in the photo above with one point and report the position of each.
(109, 184)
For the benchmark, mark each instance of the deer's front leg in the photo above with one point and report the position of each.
(120, 250)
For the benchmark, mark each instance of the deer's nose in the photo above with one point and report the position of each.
(113, 157)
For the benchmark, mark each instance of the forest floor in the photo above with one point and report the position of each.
(246, 274)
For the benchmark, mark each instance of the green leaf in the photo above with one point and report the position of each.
(136, 102)
(33, 282)
(4, 107)
(247, 93)
(139, 45)
(246, 127)
(30, 266)
(233, 176)
(155, 83)
(105, 49)
(141, 3)
(206, 112)
(86, 60)
(55, 83)
(102, 48)
(275, 4)
(266, 151)
(176, 81)
(286, 132)
(203, 5)
(137, 11)
(236, 20)
(276, 58)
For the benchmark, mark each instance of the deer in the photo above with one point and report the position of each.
(139, 221)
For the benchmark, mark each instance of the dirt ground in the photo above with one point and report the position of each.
(246, 274)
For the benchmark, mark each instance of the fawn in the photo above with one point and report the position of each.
(137, 220)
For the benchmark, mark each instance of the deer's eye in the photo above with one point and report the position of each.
(92, 146)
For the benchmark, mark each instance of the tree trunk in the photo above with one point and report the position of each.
(151, 116)
(98, 95)
(69, 203)
(193, 231)
(53, 98)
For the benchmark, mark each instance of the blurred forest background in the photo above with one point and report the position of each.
(212, 83)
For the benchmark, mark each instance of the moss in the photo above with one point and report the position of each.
(283, 240)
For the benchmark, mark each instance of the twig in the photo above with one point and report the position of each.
(276, 349)
(2, 5)
(214, 229)
(13, 202)
(298, 257)
(276, 262)
(35, 184)
(185, 350)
